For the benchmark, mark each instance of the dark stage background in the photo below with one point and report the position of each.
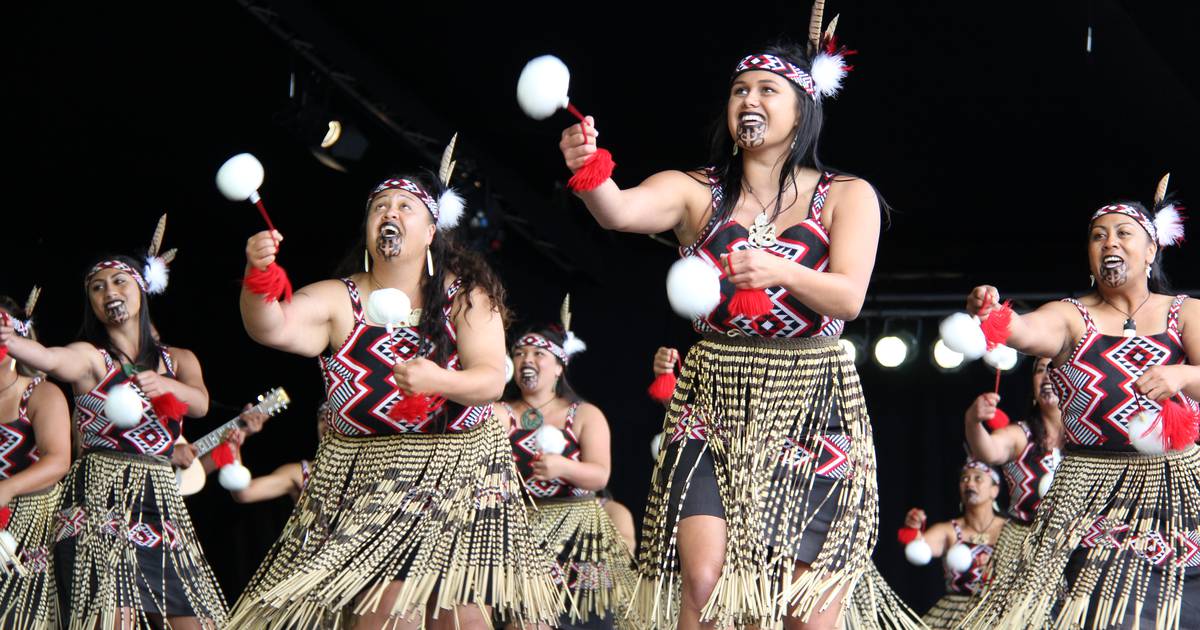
(989, 128)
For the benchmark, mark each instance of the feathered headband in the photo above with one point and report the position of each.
(154, 276)
(447, 209)
(24, 327)
(572, 345)
(828, 68)
(1165, 229)
(975, 464)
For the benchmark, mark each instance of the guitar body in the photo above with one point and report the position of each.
(192, 479)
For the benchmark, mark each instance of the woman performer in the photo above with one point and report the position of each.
(1027, 452)
(567, 518)
(767, 512)
(976, 531)
(126, 554)
(35, 451)
(412, 509)
(289, 479)
(1121, 522)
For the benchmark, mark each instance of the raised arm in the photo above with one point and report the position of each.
(71, 364)
(279, 483)
(301, 326)
(996, 448)
(1045, 332)
(52, 430)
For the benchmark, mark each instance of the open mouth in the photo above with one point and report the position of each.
(1111, 262)
(751, 129)
(115, 310)
(529, 376)
(390, 240)
(751, 119)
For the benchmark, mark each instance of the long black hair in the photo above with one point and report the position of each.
(1158, 282)
(16, 311)
(555, 334)
(93, 331)
(1036, 421)
(448, 257)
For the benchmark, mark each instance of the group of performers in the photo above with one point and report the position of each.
(441, 497)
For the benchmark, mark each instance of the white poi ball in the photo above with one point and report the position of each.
(693, 287)
(390, 307)
(1044, 484)
(234, 477)
(918, 552)
(550, 439)
(1143, 438)
(509, 369)
(240, 177)
(959, 558)
(656, 444)
(123, 406)
(8, 548)
(1001, 357)
(543, 86)
(962, 334)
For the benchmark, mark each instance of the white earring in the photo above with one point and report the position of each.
(1149, 269)
(1091, 280)
(429, 262)
(366, 261)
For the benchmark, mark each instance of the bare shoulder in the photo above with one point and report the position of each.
(588, 414)
(46, 393)
(851, 197)
(329, 291)
(181, 355)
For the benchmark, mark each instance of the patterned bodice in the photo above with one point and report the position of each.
(525, 450)
(1095, 385)
(806, 243)
(970, 581)
(361, 388)
(18, 443)
(305, 473)
(1023, 474)
(151, 436)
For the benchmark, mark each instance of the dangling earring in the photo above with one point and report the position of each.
(1091, 280)
(366, 261)
(794, 139)
(429, 262)
(735, 148)
(1149, 269)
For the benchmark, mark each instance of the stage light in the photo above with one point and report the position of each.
(946, 359)
(894, 350)
(854, 348)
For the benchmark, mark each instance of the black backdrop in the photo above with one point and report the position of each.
(990, 129)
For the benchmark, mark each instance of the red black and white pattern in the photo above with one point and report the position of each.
(689, 426)
(806, 243)
(525, 451)
(18, 443)
(409, 186)
(970, 581)
(116, 264)
(1181, 548)
(73, 522)
(1095, 385)
(538, 341)
(1023, 474)
(779, 66)
(151, 436)
(361, 388)
(1129, 211)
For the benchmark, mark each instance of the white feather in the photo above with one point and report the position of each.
(1169, 224)
(962, 334)
(389, 307)
(123, 406)
(656, 443)
(156, 273)
(450, 209)
(234, 477)
(1141, 434)
(693, 287)
(827, 72)
(573, 345)
(550, 440)
(959, 558)
(240, 177)
(918, 552)
(543, 86)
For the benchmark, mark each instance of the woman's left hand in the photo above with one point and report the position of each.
(755, 269)
(548, 466)
(418, 376)
(151, 383)
(1161, 382)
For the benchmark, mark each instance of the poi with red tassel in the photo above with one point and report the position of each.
(239, 179)
(751, 303)
(232, 475)
(411, 407)
(168, 407)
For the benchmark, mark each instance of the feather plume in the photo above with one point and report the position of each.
(1161, 192)
(159, 230)
(31, 303)
(814, 25)
(564, 314)
(447, 167)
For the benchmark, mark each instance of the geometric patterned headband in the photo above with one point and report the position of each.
(1165, 229)
(447, 210)
(410, 186)
(1129, 211)
(24, 327)
(116, 264)
(537, 341)
(974, 464)
(779, 66)
(828, 60)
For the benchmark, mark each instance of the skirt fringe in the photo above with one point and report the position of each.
(28, 598)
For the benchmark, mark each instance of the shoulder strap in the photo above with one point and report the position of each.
(23, 405)
(1028, 433)
(355, 300)
(718, 195)
(820, 193)
(451, 291)
(571, 414)
(108, 360)
(957, 530)
(1173, 314)
(167, 361)
(1088, 324)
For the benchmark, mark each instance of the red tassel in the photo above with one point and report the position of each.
(1180, 426)
(595, 171)
(663, 387)
(168, 407)
(752, 303)
(222, 455)
(5, 515)
(410, 408)
(3, 352)
(907, 535)
(998, 421)
(995, 327)
(271, 283)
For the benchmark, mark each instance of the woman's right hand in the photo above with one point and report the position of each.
(665, 360)
(915, 519)
(984, 408)
(578, 143)
(262, 248)
(982, 299)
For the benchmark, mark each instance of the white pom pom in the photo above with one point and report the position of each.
(234, 477)
(827, 73)
(1044, 484)
(156, 273)
(543, 86)
(389, 307)
(693, 287)
(962, 334)
(240, 177)
(123, 406)
(1144, 438)
(573, 345)
(450, 209)
(1169, 224)
(509, 369)
(8, 549)
(1001, 357)
(918, 552)
(959, 558)
(550, 439)
(656, 443)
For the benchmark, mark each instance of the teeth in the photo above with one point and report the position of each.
(389, 230)
(752, 118)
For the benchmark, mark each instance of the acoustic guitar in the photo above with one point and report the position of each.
(191, 479)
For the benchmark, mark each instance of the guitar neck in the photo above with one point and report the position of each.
(213, 439)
